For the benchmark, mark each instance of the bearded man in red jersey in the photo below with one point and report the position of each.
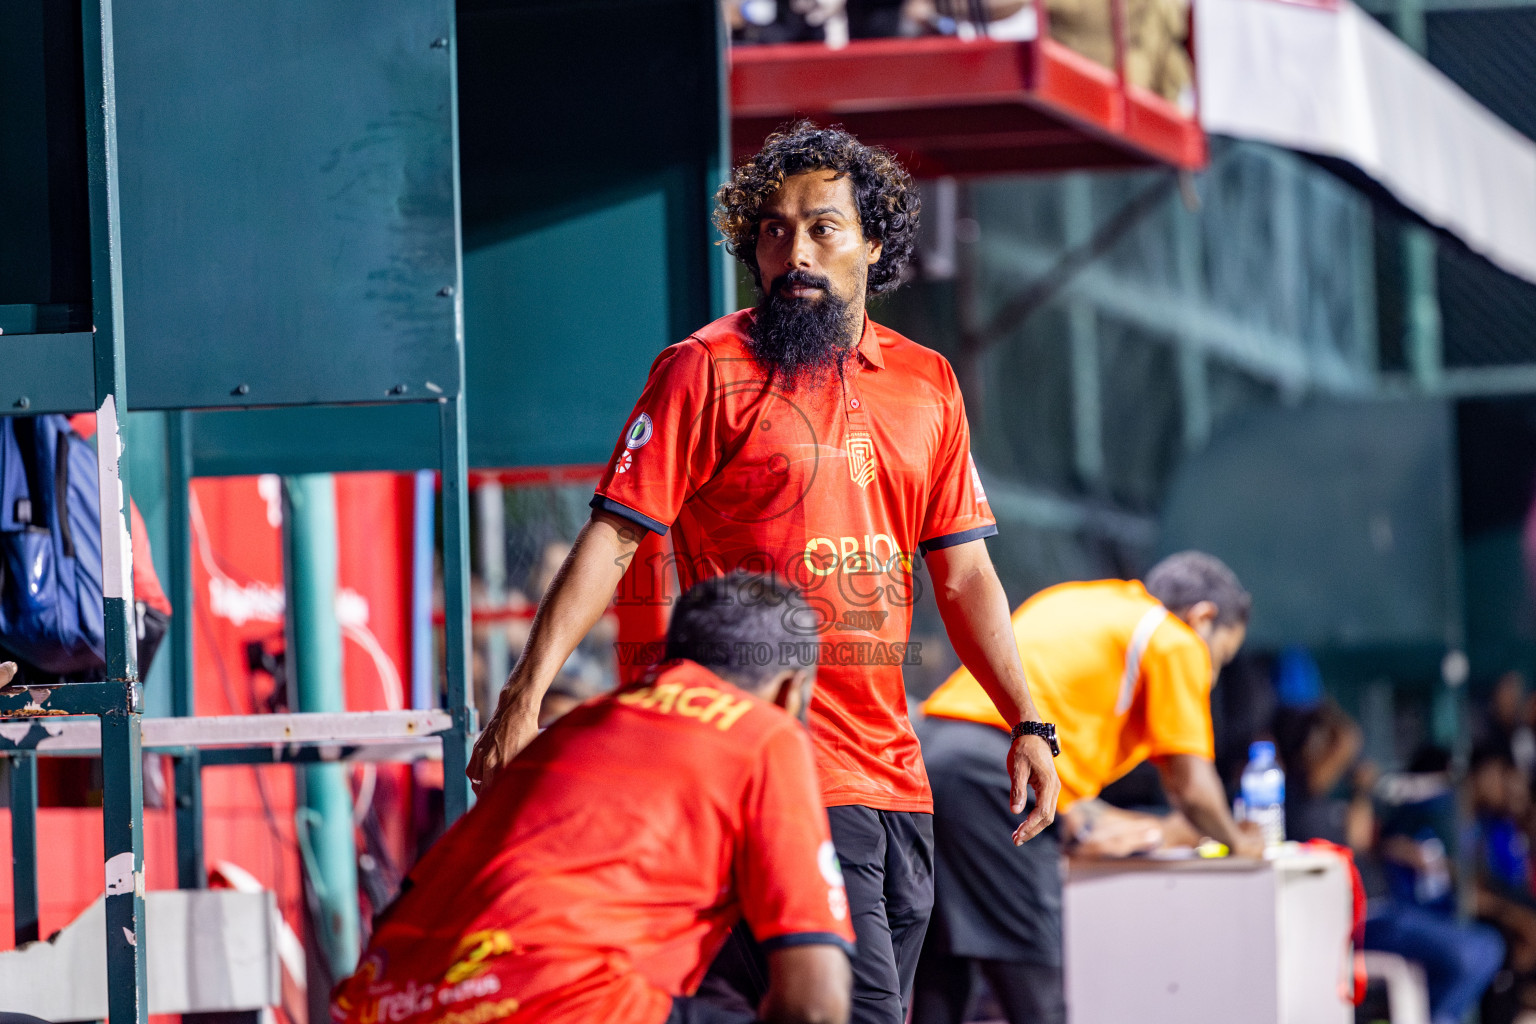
(802, 438)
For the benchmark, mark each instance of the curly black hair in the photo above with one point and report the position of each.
(887, 200)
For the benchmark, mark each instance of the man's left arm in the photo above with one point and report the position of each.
(976, 616)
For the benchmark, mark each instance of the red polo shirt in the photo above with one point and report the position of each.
(836, 488)
(602, 870)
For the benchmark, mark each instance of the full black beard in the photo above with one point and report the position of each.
(800, 342)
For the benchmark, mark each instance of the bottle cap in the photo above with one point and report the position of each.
(1261, 750)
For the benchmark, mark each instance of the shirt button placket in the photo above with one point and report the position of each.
(854, 410)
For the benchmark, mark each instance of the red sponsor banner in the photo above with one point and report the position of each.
(237, 622)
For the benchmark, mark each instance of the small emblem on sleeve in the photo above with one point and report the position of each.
(861, 458)
(981, 492)
(832, 873)
(624, 461)
(826, 860)
(640, 432)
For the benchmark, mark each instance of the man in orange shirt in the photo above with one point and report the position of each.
(802, 438)
(1126, 668)
(600, 874)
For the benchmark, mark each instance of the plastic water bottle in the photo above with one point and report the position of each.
(1433, 881)
(1263, 792)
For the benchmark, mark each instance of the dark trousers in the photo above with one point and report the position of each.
(887, 862)
(998, 906)
(1027, 993)
(703, 1011)
(1459, 957)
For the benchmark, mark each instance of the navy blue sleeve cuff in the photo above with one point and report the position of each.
(950, 540)
(807, 939)
(603, 504)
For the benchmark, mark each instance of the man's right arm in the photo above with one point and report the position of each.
(1195, 790)
(807, 985)
(575, 600)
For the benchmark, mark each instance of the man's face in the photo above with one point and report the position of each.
(814, 261)
(810, 244)
(1223, 641)
(1490, 790)
(1508, 695)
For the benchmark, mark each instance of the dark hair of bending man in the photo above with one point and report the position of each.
(599, 875)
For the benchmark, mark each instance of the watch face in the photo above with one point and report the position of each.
(1049, 733)
(1045, 730)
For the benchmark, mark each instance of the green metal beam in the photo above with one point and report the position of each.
(1424, 342)
(24, 845)
(121, 760)
(122, 812)
(314, 655)
(179, 530)
(457, 795)
(1083, 339)
(191, 869)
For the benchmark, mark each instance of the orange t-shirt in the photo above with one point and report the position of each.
(835, 488)
(1122, 678)
(600, 873)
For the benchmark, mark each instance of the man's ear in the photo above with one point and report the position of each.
(876, 248)
(780, 689)
(1201, 616)
(789, 690)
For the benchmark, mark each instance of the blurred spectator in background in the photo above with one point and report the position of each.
(579, 681)
(1318, 744)
(590, 669)
(837, 21)
(1500, 798)
(1507, 721)
(787, 21)
(1413, 901)
(563, 695)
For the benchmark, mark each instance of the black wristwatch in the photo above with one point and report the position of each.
(1045, 730)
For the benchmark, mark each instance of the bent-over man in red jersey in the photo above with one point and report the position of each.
(802, 438)
(599, 876)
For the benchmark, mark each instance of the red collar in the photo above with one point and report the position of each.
(869, 345)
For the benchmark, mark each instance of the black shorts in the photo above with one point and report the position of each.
(992, 900)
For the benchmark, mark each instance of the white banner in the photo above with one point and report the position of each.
(1331, 81)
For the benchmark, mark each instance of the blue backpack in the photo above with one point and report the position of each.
(50, 547)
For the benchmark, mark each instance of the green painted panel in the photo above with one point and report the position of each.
(288, 205)
(586, 204)
(1501, 631)
(44, 231)
(551, 389)
(316, 440)
(46, 373)
(1340, 518)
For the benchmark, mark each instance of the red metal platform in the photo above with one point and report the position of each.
(949, 106)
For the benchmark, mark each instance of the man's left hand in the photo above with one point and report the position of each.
(1031, 766)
